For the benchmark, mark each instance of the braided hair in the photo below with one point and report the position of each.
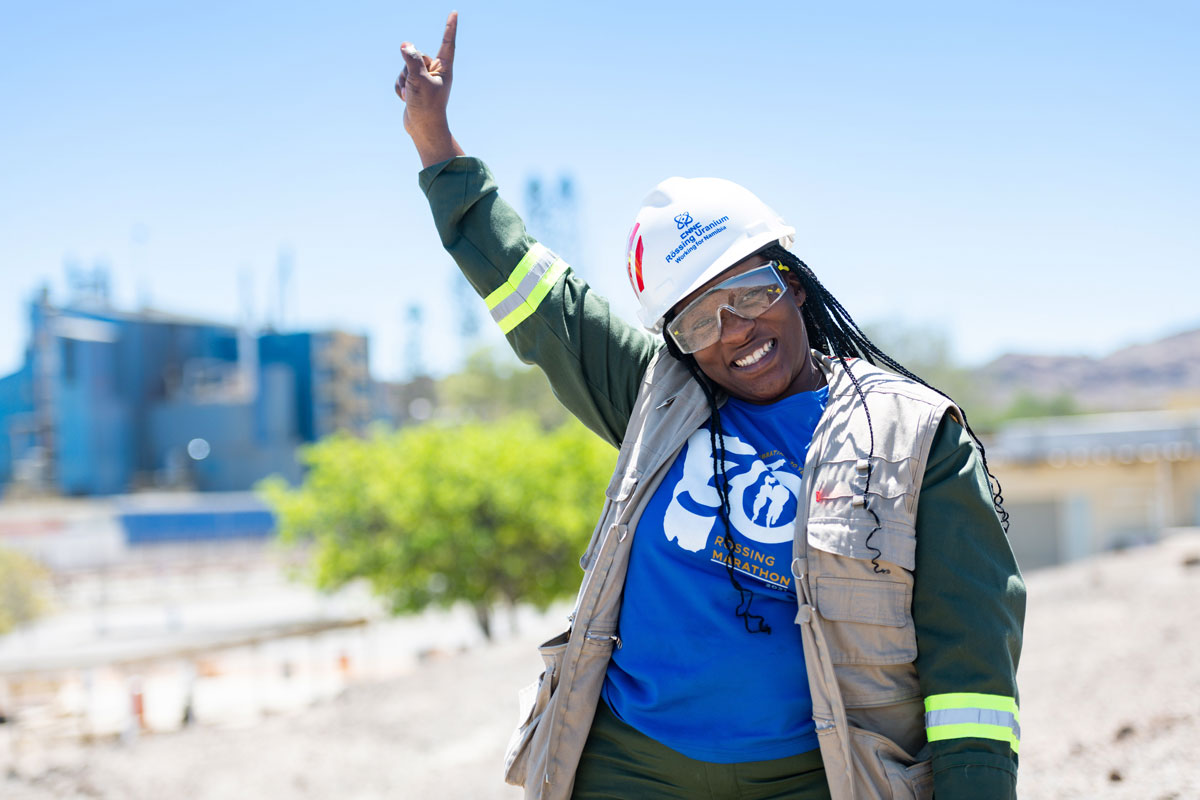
(832, 331)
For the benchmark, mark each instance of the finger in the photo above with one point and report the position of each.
(401, 83)
(414, 59)
(446, 51)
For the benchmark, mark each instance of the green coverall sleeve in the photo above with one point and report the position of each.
(593, 359)
(969, 610)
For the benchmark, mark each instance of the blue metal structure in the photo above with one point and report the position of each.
(16, 418)
(110, 401)
(186, 526)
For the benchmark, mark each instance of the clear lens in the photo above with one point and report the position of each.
(748, 295)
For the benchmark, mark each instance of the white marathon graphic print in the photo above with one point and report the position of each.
(762, 499)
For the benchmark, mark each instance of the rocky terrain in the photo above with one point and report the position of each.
(1143, 376)
(1110, 703)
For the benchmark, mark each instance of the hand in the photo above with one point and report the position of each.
(424, 86)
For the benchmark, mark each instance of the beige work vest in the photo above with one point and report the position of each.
(856, 622)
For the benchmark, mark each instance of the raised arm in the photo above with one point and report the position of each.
(593, 359)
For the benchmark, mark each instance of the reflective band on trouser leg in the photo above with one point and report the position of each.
(982, 716)
(525, 288)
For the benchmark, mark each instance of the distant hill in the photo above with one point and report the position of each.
(1144, 376)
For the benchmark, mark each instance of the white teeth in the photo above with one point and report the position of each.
(754, 357)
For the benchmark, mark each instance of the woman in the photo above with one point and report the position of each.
(819, 600)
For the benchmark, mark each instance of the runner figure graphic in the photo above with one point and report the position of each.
(773, 495)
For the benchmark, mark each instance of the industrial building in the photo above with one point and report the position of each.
(1080, 485)
(109, 401)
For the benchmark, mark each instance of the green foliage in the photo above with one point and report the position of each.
(927, 352)
(1027, 405)
(492, 386)
(436, 514)
(22, 590)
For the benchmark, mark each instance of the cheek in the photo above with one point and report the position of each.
(793, 324)
(708, 362)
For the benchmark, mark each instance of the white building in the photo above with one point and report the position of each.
(1083, 484)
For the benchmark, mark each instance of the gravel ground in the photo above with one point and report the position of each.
(1110, 708)
(1110, 679)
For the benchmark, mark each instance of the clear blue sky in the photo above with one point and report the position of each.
(1021, 175)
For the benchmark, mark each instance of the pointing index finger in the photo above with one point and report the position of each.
(446, 51)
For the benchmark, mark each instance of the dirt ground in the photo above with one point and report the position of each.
(1110, 704)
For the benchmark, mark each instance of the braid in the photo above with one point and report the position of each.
(716, 434)
(834, 332)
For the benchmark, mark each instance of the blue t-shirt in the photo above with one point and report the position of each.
(688, 674)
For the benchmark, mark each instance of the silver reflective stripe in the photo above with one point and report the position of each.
(543, 260)
(973, 716)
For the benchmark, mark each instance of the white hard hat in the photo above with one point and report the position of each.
(689, 231)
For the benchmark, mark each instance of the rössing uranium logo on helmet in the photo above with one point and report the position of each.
(693, 235)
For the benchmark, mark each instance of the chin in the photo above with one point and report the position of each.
(758, 391)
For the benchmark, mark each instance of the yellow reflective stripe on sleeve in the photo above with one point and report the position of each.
(971, 715)
(543, 287)
(514, 279)
(966, 730)
(529, 283)
(995, 702)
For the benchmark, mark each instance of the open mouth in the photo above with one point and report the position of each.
(756, 356)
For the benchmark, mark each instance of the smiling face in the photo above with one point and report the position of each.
(764, 359)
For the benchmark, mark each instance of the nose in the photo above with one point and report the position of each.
(734, 328)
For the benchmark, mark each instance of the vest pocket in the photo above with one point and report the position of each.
(548, 707)
(854, 537)
(915, 782)
(533, 701)
(871, 621)
(846, 478)
(892, 773)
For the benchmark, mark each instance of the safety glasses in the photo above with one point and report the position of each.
(748, 295)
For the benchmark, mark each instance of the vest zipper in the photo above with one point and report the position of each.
(604, 637)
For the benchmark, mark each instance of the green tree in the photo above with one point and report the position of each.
(437, 514)
(1027, 405)
(926, 351)
(22, 590)
(493, 385)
